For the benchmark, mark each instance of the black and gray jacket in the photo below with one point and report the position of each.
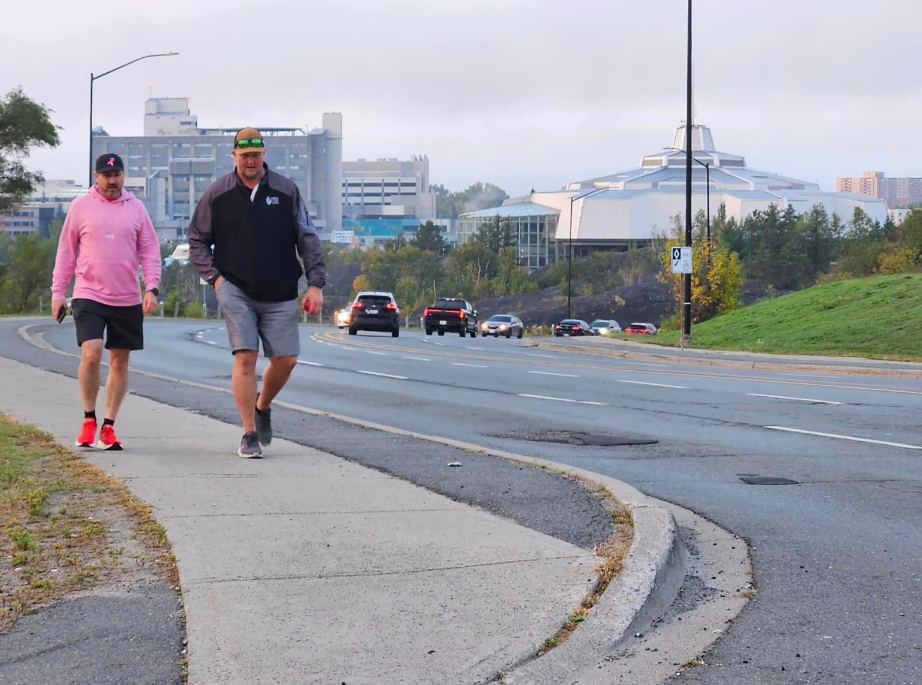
(252, 243)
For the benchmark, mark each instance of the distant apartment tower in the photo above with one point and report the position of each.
(386, 197)
(898, 192)
(175, 161)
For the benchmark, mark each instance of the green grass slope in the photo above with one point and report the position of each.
(872, 317)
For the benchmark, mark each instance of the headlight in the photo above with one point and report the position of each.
(484, 326)
(603, 331)
(502, 327)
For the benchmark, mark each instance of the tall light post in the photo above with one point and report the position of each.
(95, 78)
(686, 309)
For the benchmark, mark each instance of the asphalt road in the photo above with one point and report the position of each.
(837, 555)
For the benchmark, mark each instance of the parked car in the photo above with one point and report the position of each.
(502, 324)
(572, 327)
(605, 326)
(344, 317)
(450, 314)
(375, 311)
(641, 329)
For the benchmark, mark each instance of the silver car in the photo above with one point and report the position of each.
(502, 324)
(605, 326)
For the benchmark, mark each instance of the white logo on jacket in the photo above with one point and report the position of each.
(272, 200)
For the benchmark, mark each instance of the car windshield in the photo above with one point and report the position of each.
(638, 325)
(448, 303)
(601, 323)
(375, 300)
(500, 318)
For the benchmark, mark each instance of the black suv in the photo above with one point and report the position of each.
(451, 314)
(372, 311)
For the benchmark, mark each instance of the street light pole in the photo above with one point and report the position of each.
(96, 78)
(707, 172)
(686, 310)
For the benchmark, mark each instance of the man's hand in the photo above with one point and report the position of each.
(150, 302)
(218, 281)
(56, 307)
(313, 301)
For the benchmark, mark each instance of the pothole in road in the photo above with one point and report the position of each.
(767, 480)
(576, 438)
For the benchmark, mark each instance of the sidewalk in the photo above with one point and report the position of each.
(305, 568)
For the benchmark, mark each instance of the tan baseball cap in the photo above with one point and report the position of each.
(254, 138)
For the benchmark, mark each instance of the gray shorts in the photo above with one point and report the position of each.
(249, 321)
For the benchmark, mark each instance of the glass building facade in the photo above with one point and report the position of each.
(533, 225)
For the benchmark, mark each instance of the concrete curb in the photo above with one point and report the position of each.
(593, 351)
(651, 575)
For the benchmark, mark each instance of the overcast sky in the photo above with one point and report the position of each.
(521, 93)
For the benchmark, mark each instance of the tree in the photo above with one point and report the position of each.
(475, 196)
(28, 272)
(497, 234)
(429, 237)
(24, 125)
(819, 240)
(716, 279)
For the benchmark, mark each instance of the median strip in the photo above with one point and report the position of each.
(845, 437)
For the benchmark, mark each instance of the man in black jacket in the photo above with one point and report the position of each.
(242, 240)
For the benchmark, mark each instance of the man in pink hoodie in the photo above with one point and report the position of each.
(106, 234)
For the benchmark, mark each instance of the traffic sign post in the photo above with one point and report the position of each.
(681, 258)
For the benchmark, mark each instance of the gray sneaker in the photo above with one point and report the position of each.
(249, 446)
(264, 425)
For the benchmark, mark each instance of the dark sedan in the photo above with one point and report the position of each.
(502, 324)
(572, 327)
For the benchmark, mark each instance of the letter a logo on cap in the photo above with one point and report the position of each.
(111, 161)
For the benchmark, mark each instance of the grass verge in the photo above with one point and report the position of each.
(878, 318)
(65, 525)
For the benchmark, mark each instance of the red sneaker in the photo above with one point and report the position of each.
(107, 439)
(87, 433)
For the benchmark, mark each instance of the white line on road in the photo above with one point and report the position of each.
(542, 356)
(564, 399)
(796, 399)
(309, 363)
(381, 354)
(472, 366)
(384, 375)
(440, 344)
(845, 437)
(479, 349)
(657, 385)
(211, 342)
(548, 373)
(419, 359)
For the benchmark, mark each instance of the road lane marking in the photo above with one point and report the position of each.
(309, 363)
(419, 359)
(383, 375)
(380, 354)
(542, 356)
(845, 437)
(657, 385)
(479, 349)
(548, 373)
(440, 344)
(564, 399)
(472, 366)
(796, 399)
(211, 342)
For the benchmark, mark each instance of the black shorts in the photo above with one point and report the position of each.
(124, 326)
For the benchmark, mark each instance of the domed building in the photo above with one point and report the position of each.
(639, 204)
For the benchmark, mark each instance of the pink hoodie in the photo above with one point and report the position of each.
(103, 242)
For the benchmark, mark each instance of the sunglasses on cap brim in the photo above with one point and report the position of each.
(245, 143)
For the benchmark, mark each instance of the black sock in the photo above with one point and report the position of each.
(108, 422)
(90, 414)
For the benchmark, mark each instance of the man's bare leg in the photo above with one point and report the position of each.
(244, 385)
(88, 372)
(274, 378)
(116, 382)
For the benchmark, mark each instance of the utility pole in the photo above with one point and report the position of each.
(686, 308)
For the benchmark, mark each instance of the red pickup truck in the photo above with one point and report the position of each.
(451, 314)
